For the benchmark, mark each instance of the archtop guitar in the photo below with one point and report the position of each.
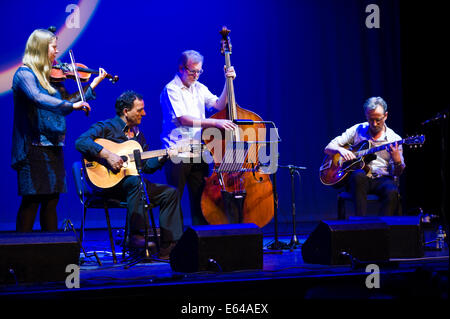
(335, 169)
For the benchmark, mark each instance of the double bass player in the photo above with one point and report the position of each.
(184, 101)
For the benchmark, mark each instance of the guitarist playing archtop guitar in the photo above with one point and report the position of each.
(374, 173)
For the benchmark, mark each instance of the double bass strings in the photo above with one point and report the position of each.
(234, 157)
(239, 156)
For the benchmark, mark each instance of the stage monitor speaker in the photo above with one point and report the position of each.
(365, 241)
(37, 256)
(218, 248)
(405, 235)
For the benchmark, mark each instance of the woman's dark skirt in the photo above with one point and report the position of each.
(42, 172)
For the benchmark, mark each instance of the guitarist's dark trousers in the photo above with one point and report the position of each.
(359, 185)
(164, 196)
(192, 174)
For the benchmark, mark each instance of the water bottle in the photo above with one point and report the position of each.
(440, 236)
(118, 236)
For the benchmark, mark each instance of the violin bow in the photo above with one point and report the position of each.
(77, 78)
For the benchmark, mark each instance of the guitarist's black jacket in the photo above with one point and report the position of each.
(114, 130)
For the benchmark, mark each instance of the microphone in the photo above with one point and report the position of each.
(137, 159)
(293, 167)
(437, 117)
(296, 167)
(251, 122)
(245, 122)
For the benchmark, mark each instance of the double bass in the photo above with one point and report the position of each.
(246, 195)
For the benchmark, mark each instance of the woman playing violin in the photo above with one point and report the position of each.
(39, 130)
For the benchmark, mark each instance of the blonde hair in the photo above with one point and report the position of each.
(36, 56)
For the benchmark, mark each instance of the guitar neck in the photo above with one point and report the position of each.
(377, 149)
(149, 154)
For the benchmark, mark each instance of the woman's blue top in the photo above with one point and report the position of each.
(39, 117)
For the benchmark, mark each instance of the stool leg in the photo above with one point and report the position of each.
(126, 236)
(83, 221)
(111, 240)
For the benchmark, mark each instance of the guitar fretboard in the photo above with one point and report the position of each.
(377, 149)
(149, 154)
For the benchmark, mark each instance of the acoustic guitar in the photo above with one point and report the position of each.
(335, 169)
(101, 174)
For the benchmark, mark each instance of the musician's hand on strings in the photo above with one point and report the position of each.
(346, 154)
(225, 125)
(101, 76)
(395, 152)
(230, 73)
(115, 162)
(82, 106)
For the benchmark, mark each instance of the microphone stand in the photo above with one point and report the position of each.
(442, 119)
(276, 245)
(147, 257)
(294, 243)
(67, 223)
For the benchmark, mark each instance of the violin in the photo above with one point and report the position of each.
(62, 71)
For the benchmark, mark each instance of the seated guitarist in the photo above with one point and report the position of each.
(123, 127)
(379, 177)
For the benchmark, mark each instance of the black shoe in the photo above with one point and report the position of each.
(138, 241)
(165, 249)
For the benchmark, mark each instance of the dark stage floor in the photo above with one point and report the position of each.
(284, 277)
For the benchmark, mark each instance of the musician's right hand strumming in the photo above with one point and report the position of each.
(346, 154)
(114, 160)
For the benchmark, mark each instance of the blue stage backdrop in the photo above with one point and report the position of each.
(307, 65)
